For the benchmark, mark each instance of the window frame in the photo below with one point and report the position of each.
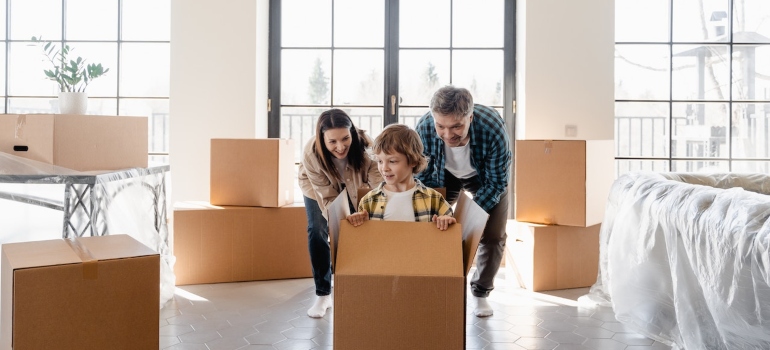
(119, 41)
(670, 161)
(391, 59)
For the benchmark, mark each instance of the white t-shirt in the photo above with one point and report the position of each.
(340, 164)
(458, 161)
(399, 206)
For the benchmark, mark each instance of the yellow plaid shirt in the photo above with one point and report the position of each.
(425, 201)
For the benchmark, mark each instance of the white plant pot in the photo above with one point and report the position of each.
(73, 102)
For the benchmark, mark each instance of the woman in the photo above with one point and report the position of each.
(334, 159)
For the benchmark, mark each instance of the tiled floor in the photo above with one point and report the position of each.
(271, 315)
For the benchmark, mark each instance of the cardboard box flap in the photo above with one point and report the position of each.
(195, 205)
(338, 210)
(60, 252)
(201, 205)
(398, 248)
(115, 247)
(473, 220)
(41, 253)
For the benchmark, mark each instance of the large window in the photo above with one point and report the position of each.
(381, 60)
(692, 85)
(130, 37)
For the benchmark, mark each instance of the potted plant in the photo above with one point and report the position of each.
(72, 75)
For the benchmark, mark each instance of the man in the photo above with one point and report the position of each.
(469, 149)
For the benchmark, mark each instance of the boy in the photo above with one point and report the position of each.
(401, 197)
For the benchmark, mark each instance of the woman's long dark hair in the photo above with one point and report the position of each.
(334, 119)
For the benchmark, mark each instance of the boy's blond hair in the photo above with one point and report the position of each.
(399, 138)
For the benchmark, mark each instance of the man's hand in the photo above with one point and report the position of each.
(443, 221)
(358, 218)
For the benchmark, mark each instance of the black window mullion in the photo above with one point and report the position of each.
(274, 72)
(730, 49)
(331, 58)
(451, 43)
(509, 84)
(670, 88)
(391, 63)
(119, 57)
(7, 51)
(509, 60)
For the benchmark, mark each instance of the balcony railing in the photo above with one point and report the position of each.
(641, 142)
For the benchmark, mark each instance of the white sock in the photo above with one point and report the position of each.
(483, 309)
(318, 309)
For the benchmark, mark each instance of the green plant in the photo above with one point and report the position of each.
(71, 75)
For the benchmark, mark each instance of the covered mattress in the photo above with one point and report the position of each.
(685, 258)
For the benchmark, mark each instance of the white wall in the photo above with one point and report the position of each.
(565, 69)
(218, 84)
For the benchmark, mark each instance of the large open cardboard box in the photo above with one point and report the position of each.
(402, 285)
(252, 172)
(89, 293)
(215, 244)
(77, 142)
(563, 182)
(549, 257)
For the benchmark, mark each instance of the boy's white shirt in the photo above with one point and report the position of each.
(399, 207)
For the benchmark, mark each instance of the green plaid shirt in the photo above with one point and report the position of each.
(425, 201)
(490, 154)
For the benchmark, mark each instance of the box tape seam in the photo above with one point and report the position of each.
(90, 264)
(21, 121)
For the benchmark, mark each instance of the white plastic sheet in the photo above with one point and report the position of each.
(129, 201)
(685, 258)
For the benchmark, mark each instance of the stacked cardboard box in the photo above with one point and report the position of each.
(561, 189)
(77, 142)
(548, 257)
(252, 172)
(251, 229)
(215, 244)
(89, 293)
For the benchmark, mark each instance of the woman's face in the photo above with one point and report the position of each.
(338, 141)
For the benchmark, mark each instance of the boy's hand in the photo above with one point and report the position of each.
(443, 221)
(357, 219)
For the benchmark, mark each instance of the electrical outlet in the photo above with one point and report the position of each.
(570, 130)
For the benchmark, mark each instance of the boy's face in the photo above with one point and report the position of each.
(396, 171)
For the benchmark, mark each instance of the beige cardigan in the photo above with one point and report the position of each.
(323, 187)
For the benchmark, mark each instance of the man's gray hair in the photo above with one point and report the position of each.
(452, 101)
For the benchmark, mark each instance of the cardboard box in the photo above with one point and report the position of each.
(215, 244)
(252, 172)
(77, 142)
(89, 293)
(563, 182)
(402, 285)
(552, 257)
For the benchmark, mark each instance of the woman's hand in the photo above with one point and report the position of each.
(358, 218)
(443, 221)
